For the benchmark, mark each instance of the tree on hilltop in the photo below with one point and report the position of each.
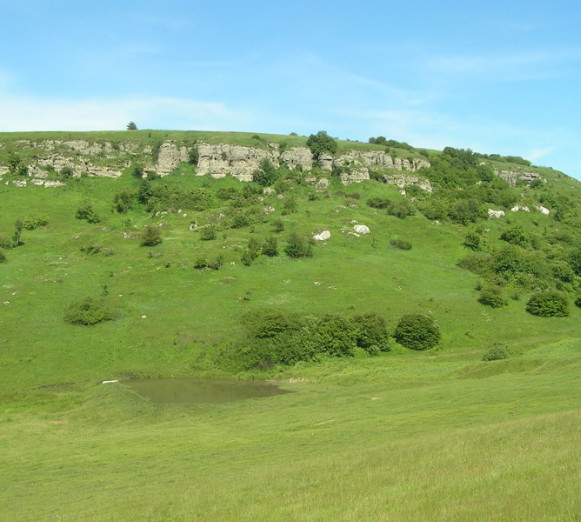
(131, 126)
(321, 143)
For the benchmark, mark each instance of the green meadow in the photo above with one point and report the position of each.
(438, 434)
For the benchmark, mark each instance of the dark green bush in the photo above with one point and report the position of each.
(123, 202)
(400, 209)
(91, 249)
(207, 233)
(278, 225)
(496, 352)
(34, 223)
(240, 221)
(473, 241)
(515, 236)
(548, 304)
(3, 257)
(466, 211)
(200, 263)
(150, 236)
(370, 332)
(270, 247)
(266, 174)
(5, 242)
(321, 143)
(86, 213)
(563, 272)
(492, 296)
(298, 246)
(417, 332)
(379, 203)
(87, 312)
(401, 244)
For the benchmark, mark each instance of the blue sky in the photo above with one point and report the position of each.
(494, 76)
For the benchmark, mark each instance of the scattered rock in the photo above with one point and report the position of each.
(361, 229)
(495, 214)
(322, 236)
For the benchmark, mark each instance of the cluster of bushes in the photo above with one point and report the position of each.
(381, 140)
(400, 208)
(514, 265)
(276, 338)
(296, 247)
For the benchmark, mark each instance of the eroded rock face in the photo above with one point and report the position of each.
(111, 159)
(512, 177)
(240, 162)
(169, 157)
(297, 156)
(406, 180)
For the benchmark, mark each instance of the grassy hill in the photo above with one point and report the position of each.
(400, 435)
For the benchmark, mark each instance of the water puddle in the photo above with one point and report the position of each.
(201, 391)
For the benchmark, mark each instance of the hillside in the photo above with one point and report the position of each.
(187, 267)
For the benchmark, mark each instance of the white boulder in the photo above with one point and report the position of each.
(361, 229)
(322, 236)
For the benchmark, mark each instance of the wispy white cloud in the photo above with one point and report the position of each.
(34, 114)
(537, 62)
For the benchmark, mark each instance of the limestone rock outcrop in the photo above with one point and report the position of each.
(222, 159)
(512, 177)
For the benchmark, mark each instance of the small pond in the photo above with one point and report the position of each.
(202, 391)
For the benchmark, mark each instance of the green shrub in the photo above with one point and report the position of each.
(207, 233)
(496, 352)
(123, 202)
(400, 209)
(151, 236)
(578, 301)
(240, 221)
(270, 247)
(370, 332)
(5, 242)
(492, 296)
(3, 257)
(515, 236)
(278, 225)
(548, 304)
(379, 203)
(298, 246)
(321, 143)
(473, 241)
(16, 235)
(87, 312)
(401, 244)
(200, 263)
(92, 249)
(34, 223)
(85, 212)
(66, 173)
(563, 272)
(417, 332)
(266, 174)
(466, 211)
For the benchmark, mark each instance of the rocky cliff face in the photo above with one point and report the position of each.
(218, 160)
(512, 177)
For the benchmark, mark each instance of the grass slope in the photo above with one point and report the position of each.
(437, 435)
